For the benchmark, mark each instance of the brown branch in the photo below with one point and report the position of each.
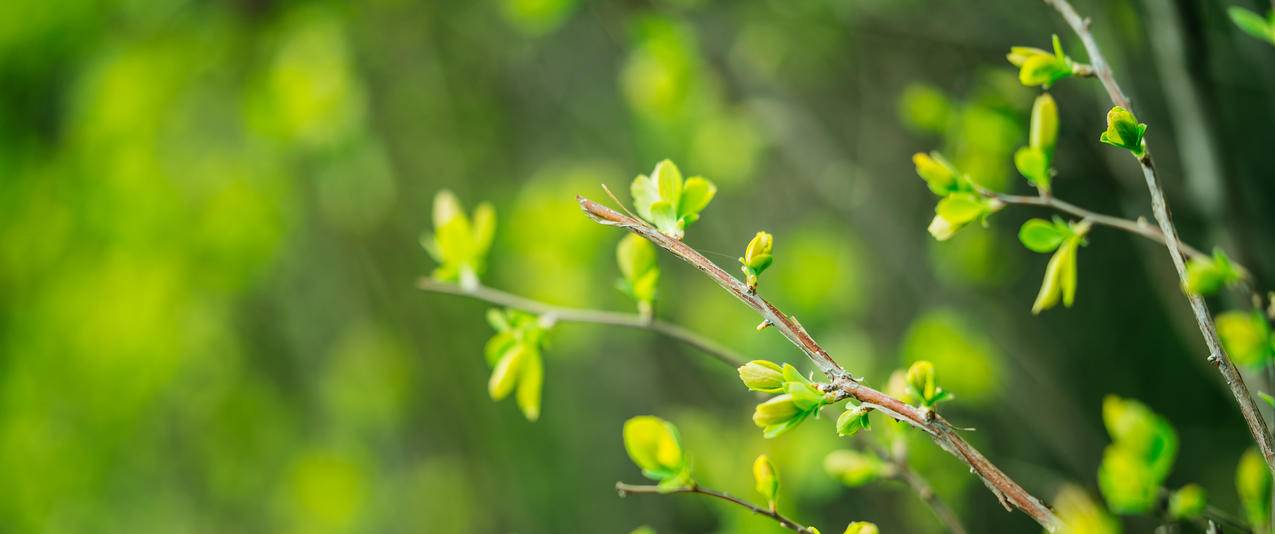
(580, 315)
(789, 524)
(708, 346)
(1217, 353)
(842, 385)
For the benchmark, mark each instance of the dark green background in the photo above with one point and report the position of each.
(209, 215)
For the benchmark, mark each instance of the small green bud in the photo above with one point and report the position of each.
(1253, 483)
(1044, 124)
(1080, 515)
(862, 527)
(1124, 131)
(854, 419)
(854, 468)
(777, 410)
(655, 447)
(762, 375)
(757, 257)
(1039, 67)
(939, 175)
(505, 376)
(921, 379)
(1246, 336)
(767, 480)
(958, 209)
(1207, 276)
(1187, 503)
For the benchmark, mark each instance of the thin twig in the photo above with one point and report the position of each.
(1138, 227)
(920, 487)
(1217, 353)
(842, 385)
(708, 346)
(789, 524)
(581, 315)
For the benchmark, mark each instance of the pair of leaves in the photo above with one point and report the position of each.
(1124, 131)
(1064, 240)
(799, 398)
(1139, 458)
(639, 270)
(854, 419)
(959, 209)
(1207, 276)
(668, 202)
(961, 203)
(1035, 160)
(515, 358)
(923, 388)
(1038, 67)
(1253, 24)
(655, 446)
(757, 257)
(1247, 338)
(459, 244)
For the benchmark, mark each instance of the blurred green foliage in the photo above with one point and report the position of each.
(211, 214)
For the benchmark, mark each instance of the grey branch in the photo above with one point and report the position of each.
(789, 524)
(580, 315)
(1010, 494)
(1217, 353)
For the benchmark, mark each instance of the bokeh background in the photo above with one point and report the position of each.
(209, 222)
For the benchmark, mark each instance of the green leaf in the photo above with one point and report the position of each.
(664, 217)
(1141, 455)
(1252, 23)
(697, 193)
(484, 229)
(941, 177)
(1208, 276)
(1042, 236)
(959, 208)
(1034, 166)
(644, 194)
(1246, 336)
(498, 346)
(862, 527)
(1080, 515)
(635, 255)
(1253, 483)
(1267, 398)
(762, 375)
(668, 181)
(655, 447)
(1188, 502)
(1060, 278)
(506, 373)
(530, 384)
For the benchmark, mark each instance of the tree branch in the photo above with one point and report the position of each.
(843, 385)
(708, 346)
(789, 524)
(580, 315)
(1217, 353)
